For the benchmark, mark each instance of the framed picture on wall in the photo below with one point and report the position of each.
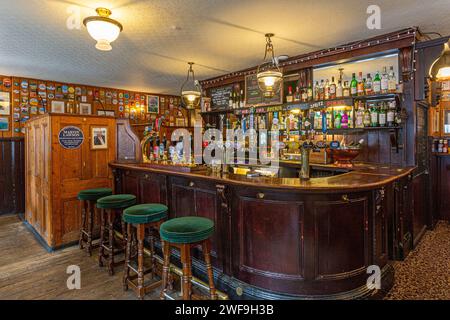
(152, 104)
(5, 104)
(4, 124)
(99, 138)
(85, 108)
(58, 107)
(106, 113)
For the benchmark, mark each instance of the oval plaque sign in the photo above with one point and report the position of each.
(71, 137)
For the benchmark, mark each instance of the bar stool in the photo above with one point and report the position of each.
(139, 218)
(88, 198)
(111, 208)
(184, 233)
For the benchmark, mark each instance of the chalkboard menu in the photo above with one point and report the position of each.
(254, 96)
(220, 97)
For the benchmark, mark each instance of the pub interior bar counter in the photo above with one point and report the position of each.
(319, 172)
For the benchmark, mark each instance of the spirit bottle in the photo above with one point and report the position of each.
(327, 90)
(392, 82)
(337, 120)
(242, 102)
(359, 121)
(354, 86)
(289, 97)
(366, 120)
(382, 115)
(384, 81)
(332, 90)
(339, 90)
(230, 101)
(321, 90)
(317, 91)
(369, 85)
(360, 85)
(374, 116)
(310, 92)
(344, 120)
(346, 89)
(390, 117)
(297, 94)
(377, 83)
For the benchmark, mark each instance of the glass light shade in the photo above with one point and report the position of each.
(103, 32)
(440, 70)
(269, 82)
(191, 99)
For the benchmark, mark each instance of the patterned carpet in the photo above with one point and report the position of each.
(424, 274)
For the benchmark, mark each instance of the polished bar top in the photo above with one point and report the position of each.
(361, 177)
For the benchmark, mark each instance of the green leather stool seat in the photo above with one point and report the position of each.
(94, 194)
(145, 213)
(186, 229)
(116, 201)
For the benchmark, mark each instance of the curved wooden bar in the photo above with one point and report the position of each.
(286, 238)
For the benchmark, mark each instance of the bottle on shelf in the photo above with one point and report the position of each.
(344, 120)
(242, 100)
(384, 81)
(377, 83)
(297, 96)
(367, 118)
(374, 112)
(359, 119)
(346, 89)
(327, 90)
(360, 85)
(321, 90)
(390, 116)
(368, 88)
(354, 86)
(332, 90)
(230, 100)
(382, 115)
(392, 81)
(310, 91)
(316, 91)
(289, 96)
(339, 90)
(338, 120)
(275, 122)
(304, 92)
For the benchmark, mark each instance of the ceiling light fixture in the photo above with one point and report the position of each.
(103, 29)
(440, 69)
(269, 74)
(190, 90)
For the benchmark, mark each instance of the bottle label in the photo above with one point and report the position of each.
(382, 118)
(374, 117)
(384, 84)
(376, 87)
(354, 90)
(390, 116)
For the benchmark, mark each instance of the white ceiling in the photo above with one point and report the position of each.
(160, 36)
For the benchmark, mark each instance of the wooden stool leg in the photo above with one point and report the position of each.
(111, 216)
(101, 250)
(126, 271)
(166, 265)
(152, 254)
(206, 246)
(90, 217)
(83, 223)
(140, 279)
(186, 278)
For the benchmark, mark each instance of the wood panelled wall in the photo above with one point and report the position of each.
(55, 175)
(12, 176)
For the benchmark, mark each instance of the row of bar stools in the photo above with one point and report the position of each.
(185, 233)
(111, 209)
(88, 198)
(139, 218)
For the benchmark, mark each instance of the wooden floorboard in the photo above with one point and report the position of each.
(28, 271)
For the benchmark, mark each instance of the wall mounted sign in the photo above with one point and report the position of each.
(71, 137)
(220, 97)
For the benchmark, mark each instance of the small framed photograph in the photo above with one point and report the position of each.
(106, 113)
(152, 104)
(5, 104)
(99, 138)
(85, 108)
(4, 124)
(58, 107)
